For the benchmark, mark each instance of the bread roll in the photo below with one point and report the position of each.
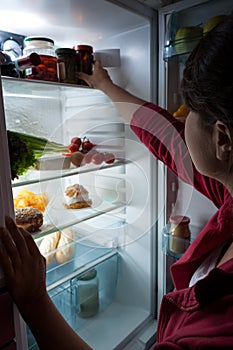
(65, 247)
(48, 245)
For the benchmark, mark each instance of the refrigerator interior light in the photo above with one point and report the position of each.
(14, 20)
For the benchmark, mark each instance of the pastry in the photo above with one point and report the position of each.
(76, 197)
(31, 219)
(48, 245)
(65, 247)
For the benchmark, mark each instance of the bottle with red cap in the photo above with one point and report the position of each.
(179, 234)
(84, 60)
(16, 68)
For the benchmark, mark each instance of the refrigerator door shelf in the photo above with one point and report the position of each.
(172, 245)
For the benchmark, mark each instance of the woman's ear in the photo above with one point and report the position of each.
(223, 141)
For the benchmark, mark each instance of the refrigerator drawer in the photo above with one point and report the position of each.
(84, 298)
(7, 332)
(84, 249)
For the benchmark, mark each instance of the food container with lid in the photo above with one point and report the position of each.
(179, 233)
(84, 60)
(87, 294)
(47, 69)
(66, 61)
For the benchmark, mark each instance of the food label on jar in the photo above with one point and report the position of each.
(28, 71)
(61, 71)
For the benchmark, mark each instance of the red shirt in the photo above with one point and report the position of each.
(200, 317)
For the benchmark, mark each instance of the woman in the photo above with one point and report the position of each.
(198, 314)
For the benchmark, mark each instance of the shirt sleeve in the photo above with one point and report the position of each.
(163, 135)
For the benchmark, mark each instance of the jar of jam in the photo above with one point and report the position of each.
(66, 63)
(84, 61)
(179, 234)
(44, 47)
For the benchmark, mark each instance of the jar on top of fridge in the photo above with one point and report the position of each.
(47, 69)
(84, 60)
(66, 65)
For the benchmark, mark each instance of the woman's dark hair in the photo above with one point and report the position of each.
(207, 84)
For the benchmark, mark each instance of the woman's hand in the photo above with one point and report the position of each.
(23, 265)
(124, 101)
(99, 79)
(24, 269)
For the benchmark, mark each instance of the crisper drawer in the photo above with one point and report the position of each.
(85, 296)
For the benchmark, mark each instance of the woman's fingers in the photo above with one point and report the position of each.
(18, 236)
(16, 245)
(4, 256)
(9, 250)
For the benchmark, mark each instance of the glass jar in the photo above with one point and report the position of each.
(44, 47)
(66, 62)
(87, 294)
(84, 61)
(179, 234)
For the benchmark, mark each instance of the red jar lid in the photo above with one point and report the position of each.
(179, 220)
(83, 47)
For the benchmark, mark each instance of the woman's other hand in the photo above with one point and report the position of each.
(23, 265)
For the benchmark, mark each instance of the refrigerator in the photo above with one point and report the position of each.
(118, 245)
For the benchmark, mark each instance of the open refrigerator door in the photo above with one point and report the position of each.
(181, 25)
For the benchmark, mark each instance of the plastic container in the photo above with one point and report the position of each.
(66, 60)
(87, 294)
(84, 61)
(47, 69)
(179, 234)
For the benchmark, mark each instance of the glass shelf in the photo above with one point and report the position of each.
(37, 176)
(60, 217)
(39, 88)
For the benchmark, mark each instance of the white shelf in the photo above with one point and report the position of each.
(118, 322)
